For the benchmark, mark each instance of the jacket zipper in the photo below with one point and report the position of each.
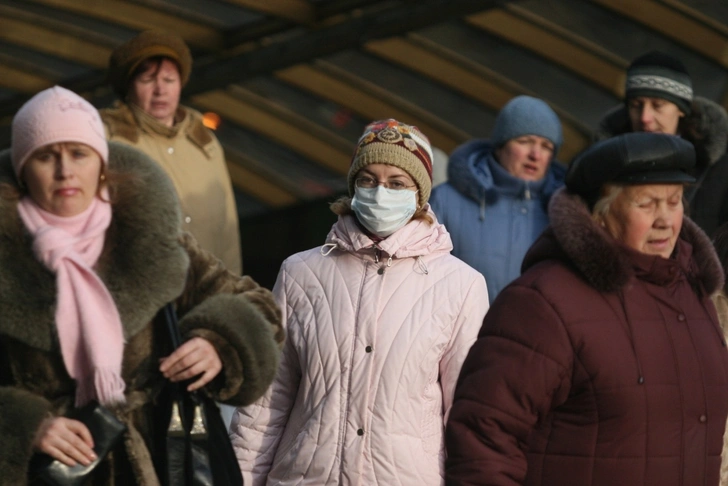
(345, 418)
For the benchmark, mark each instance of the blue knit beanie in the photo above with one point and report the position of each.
(525, 115)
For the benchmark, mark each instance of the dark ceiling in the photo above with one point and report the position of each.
(295, 81)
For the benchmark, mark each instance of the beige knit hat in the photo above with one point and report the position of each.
(150, 43)
(394, 143)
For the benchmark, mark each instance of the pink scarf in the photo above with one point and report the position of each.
(88, 322)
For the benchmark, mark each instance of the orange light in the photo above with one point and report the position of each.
(211, 120)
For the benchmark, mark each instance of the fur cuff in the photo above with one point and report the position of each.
(243, 332)
(225, 385)
(22, 414)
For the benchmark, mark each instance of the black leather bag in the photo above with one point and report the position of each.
(106, 431)
(196, 448)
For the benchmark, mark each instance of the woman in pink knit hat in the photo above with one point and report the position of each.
(90, 250)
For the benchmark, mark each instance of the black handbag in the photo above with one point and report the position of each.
(106, 431)
(196, 448)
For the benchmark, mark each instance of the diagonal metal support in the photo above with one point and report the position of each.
(347, 34)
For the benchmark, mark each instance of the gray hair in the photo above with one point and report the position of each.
(604, 203)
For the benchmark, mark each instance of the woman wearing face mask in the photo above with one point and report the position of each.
(379, 320)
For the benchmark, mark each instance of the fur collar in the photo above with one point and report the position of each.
(142, 264)
(577, 240)
(707, 124)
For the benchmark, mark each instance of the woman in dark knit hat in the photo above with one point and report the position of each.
(148, 73)
(379, 320)
(659, 99)
(604, 363)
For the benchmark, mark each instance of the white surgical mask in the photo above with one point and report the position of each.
(383, 211)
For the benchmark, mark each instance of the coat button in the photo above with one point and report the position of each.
(368, 349)
(681, 317)
(524, 210)
(188, 220)
(360, 432)
(170, 150)
(703, 419)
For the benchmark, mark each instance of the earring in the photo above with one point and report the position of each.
(102, 177)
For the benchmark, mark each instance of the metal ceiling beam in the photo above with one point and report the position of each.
(257, 186)
(291, 131)
(21, 80)
(139, 17)
(677, 22)
(556, 44)
(346, 34)
(471, 79)
(299, 11)
(53, 42)
(370, 101)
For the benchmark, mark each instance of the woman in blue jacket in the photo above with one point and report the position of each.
(494, 203)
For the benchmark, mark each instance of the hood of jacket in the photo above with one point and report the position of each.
(574, 238)
(142, 264)
(473, 171)
(707, 128)
(415, 239)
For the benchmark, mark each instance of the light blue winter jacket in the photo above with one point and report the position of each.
(492, 217)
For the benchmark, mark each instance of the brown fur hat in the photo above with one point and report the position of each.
(150, 43)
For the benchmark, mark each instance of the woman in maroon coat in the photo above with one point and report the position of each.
(603, 364)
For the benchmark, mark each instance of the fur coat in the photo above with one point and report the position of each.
(599, 365)
(707, 129)
(146, 262)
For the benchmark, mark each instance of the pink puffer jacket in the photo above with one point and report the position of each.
(376, 339)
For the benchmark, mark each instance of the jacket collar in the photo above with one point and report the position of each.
(123, 121)
(574, 238)
(415, 239)
(142, 264)
(708, 126)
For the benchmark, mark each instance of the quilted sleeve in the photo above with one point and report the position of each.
(256, 430)
(517, 371)
(464, 333)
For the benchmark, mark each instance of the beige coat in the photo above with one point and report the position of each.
(194, 160)
(721, 305)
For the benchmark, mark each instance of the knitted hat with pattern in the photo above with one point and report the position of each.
(659, 75)
(127, 57)
(394, 143)
(55, 115)
(525, 115)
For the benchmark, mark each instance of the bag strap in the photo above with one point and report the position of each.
(188, 461)
(170, 317)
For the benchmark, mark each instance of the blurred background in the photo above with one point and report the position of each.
(288, 85)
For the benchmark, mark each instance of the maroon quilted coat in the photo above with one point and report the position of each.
(598, 366)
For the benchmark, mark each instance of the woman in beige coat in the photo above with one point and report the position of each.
(148, 74)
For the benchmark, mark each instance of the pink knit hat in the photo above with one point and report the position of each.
(56, 115)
